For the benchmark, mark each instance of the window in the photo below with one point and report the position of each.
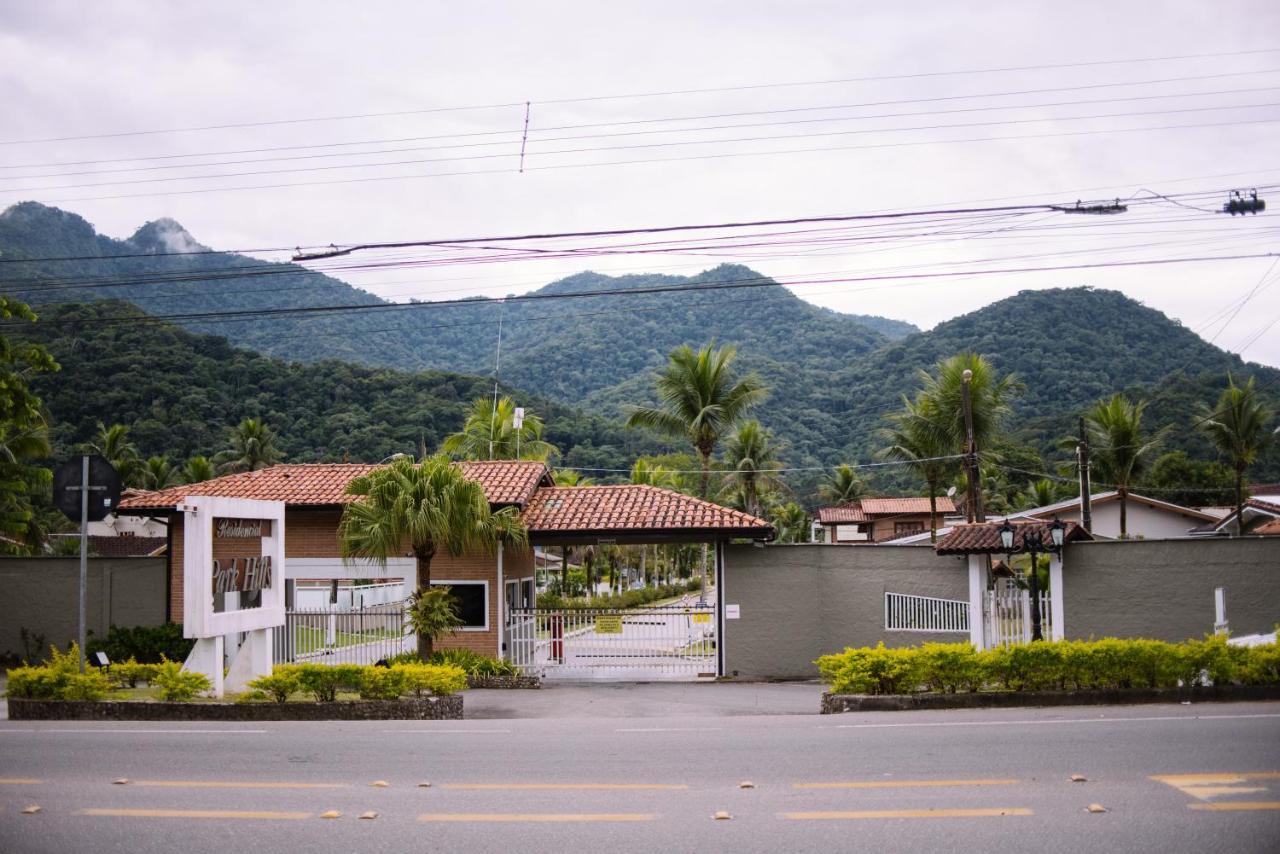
(903, 528)
(473, 603)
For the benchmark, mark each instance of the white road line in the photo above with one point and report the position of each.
(670, 729)
(1033, 721)
(107, 731)
(445, 731)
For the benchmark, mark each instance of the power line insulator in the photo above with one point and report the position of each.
(1238, 204)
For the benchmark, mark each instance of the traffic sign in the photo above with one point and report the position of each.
(104, 488)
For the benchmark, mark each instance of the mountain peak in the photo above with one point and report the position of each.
(165, 235)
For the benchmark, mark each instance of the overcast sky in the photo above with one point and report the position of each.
(73, 69)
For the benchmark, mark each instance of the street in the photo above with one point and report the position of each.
(1171, 778)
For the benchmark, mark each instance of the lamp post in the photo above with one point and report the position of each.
(1033, 543)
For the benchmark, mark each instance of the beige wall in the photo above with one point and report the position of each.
(1144, 521)
(42, 594)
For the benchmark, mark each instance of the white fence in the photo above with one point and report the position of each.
(350, 597)
(331, 636)
(906, 613)
(1007, 616)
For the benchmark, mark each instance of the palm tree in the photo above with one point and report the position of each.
(112, 444)
(571, 477)
(1237, 428)
(423, 507)
(652, 474)
(753, 461)
(842, 485)
(914, 438)
(253, 447)
(158, 473)
(489, 433)
(1039, 493)
(1116, 446)
(197, 470)
(700, 401)
(792, 523)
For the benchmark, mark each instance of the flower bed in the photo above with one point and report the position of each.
(406, 709)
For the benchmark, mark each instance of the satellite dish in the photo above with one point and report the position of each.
(104, 488)
(951, 492)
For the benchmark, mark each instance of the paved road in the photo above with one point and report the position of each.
(919, 781)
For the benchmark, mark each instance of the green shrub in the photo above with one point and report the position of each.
(36, 683)
(91, 685)
(127, 674)
(279, 684)
(384, 683)
(324, 681)
(178, 685)
(147, 644)
(438, 679)
(472, 663)
(1263, 666)
(871, 670)
(951, 667)
(59, 678)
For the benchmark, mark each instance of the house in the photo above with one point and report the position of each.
(487, 585)
(876, 520)
(1147, 518)
(1260, 511)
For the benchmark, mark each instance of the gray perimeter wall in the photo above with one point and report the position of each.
(1163, 589)
(798, 602)
(41, 595)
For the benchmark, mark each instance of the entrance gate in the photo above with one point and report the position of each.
(671, 643)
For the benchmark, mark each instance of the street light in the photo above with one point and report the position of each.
(1033, 543)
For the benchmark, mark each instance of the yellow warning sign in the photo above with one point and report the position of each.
(609, 625)
(702, 618)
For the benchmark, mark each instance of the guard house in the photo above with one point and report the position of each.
(489, 586)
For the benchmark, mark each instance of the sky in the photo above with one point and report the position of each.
(392, 121)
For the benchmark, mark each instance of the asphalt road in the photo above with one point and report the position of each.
(918, 781)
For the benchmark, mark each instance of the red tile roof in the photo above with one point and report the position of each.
(984, 537)
(631, 507)
(864, 509)
(324, 484)
(1272, 528)
(841, 513)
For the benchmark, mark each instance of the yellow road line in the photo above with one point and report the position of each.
(19, 781)
(902, 784)
(1233, 806)
(1220, 777)
(231, 784)
(548, 786)
(157, 813)
(924, 813)
(534, 817)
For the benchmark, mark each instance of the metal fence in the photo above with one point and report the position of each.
(655, 643)
(907, 613)
(353, 636)
(1007, 616)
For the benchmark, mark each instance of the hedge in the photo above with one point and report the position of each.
(1109, 663)
(627, 599)
(323, 682)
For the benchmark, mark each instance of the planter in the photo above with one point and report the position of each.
(505, 682)
(837, 703)
(406, 709)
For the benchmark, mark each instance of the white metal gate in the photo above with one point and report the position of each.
(1006, 615)
(674, 643)
(353, 636)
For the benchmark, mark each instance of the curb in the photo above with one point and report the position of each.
(424, 709)
(833, 704)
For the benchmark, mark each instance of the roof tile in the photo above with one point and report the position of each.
(984, 537)
(562, 509)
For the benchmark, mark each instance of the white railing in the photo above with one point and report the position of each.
(331, 636)
(652, 643)
(350, 597)
(907, 613)
(1007, 616)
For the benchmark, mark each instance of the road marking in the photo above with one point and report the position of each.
(1034, 722)
(576, 786)
(901, 784)
(18, 781)
(452, 731)
(670, 729)
(1231, 806)
(157, 813)
(229, 784)
(105, 731)
(1214, 785)
(925, 813)
(535, 817)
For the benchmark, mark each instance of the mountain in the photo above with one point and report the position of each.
(182, 392)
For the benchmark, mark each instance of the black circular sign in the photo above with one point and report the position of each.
(104, 488)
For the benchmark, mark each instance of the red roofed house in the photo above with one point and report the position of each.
(875, 520)
(487, 585)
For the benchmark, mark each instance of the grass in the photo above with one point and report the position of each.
(308, 639)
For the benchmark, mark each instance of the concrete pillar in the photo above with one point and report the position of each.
(1057, 600)
(251, 660)
(977, 590)
(206, 657)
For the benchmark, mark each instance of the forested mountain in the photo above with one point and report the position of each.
(181, 393)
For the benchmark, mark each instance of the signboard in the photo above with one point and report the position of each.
(732, 612)
(233, 565)
(702, 617)
(609, 624)
(104, 488)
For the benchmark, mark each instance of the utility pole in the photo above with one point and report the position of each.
(1086, 491)
(973, 506)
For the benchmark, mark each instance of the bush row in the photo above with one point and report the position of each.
(626, 599)
(60, 678)
(1049, 666)
(323, 682)
(148, 644)
(472, 663)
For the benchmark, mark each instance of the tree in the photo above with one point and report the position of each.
(792, 523)
(24, 433)
(489, 433)
(699, 400)
(423, 507)
(197, 470)
(1237, 428)
(113, 444)
(914, 438)
(158, 473)
(652, 474)
(1039, 493)
(253, 447)
(1177, 478)
(752, 460)
(1117, 451)
(842, 485)
(571, 477)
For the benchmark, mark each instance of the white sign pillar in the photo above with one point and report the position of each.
(977, 593)
(1057, 598)
(246, 521)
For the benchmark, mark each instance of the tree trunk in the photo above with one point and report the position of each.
(1124, 513)
(704, 457)
(564, 571)
(1239, 501)
(426, 643)
(933, 511)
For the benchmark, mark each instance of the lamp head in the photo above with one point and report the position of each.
(1006, 535)
(1057, 531)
